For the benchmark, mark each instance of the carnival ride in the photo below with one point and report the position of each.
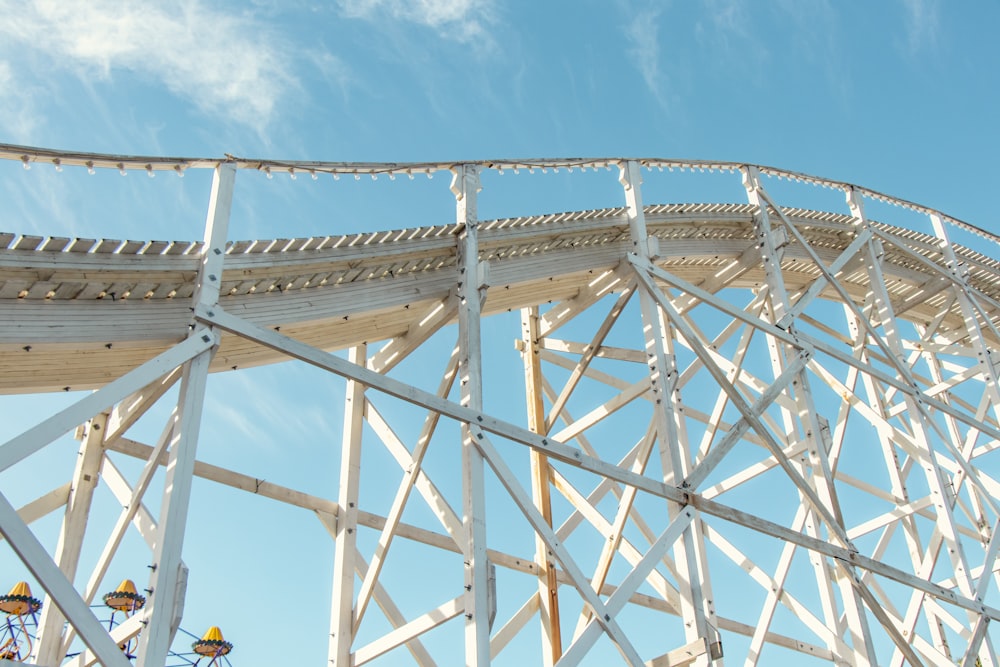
(21, 627)
(801, 404)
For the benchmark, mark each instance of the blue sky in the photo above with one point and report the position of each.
(899, 96)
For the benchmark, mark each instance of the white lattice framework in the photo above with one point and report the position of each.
(803, 404)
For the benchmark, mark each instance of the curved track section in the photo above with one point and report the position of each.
(126, 301)
(768, 433)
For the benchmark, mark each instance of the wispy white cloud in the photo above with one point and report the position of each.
(282, 419)
(224, 63)
(922, 23)
(18, 115)
(727, 33)
(642, 33)
(729, 21)
(461, 20)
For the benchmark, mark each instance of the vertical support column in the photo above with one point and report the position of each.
(168, 580)
(991, 380)
(938, 484)
(548, 587)
(345, 549)
(67, 555)
(805, 425)
(697, 604)
(960, 272)
(465, 186)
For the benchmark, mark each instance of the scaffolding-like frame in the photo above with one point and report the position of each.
(913, 359)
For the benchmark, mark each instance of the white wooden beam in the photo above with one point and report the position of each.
(411, 474)
(513, 626)
(342, 617)
(127, 631)
(408, 632)
(60, 589)
(573, 456)
(584, 641)
(168, 578)
(472, 285)
(65, 420)
(588, 355)
(131, 509)
(523, 501)
(431, 494)
(70, 544)
(44, 505)
(803, 421)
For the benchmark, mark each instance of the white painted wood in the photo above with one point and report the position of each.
(167, 595)
(342, 617)
(70, 544)
(588, 355)
(630, 584)
(803, 421)
(626, 504)
(446, 515)
(573, 456)
(921, 426)
(69, 418)
(393, 352)
(471, 290)
(913, 392)
(972, 657)
(131, 627)
(408, 632)
(392, 613)
(745, 409)
(127, 411)
(169, 577)
(411, 473)
(734, 434)
(523, 501)
(44, 505)
(513, 626)
(683, 655)
(131, 508)
(60, 590)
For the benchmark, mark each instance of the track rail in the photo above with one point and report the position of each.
(123, 302)
(29, 155)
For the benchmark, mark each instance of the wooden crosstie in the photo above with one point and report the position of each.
(753, 433)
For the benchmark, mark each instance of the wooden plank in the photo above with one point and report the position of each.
(547, 595)
(687, 654)
(82, 245)
(342, 617)
(107, 246)
(408, 632)
(602, 613)
(61, 593)
(574, 457)
(28, 243)
(412, 473)
(54, 244)
(35, 438)
(43, 505)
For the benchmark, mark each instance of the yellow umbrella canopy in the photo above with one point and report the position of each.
(19, 601)
(212, 643)
(125, 597)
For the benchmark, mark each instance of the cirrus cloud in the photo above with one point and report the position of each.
(461, 20)
(224, 63)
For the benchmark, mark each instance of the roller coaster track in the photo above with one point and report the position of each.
(782, 353)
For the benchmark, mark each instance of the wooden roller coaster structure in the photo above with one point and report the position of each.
(737, 414)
